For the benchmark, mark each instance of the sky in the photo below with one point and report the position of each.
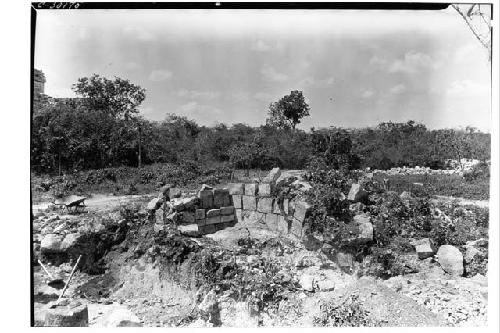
(355, 68)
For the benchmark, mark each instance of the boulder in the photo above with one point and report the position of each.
(154, 204)
(451, 260)
(69, 241)
(72, 314)
(308, 260)
(357, 193)
(165, 191)
(424, 248)
(51, 243)
(306, 282)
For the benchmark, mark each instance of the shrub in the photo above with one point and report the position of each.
(349, 313)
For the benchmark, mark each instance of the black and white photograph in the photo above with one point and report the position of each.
(197, 165)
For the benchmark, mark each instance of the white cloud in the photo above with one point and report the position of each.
(308, 81)
(160, 75)
(132, 66)
(271, 74)
(467, 88)
(398, 89)
(239, 96)
(263, 97)
(412, 63)
(202, 113)
(196, 94)
(367, 93)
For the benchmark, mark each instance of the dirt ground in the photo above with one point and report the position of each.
(133, 292)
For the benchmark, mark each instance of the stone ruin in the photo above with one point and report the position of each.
(212, 209)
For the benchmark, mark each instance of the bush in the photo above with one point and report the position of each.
(349, 313)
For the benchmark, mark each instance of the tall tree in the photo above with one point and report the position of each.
(288, 111)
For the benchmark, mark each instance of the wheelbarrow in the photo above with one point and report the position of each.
(72, 203)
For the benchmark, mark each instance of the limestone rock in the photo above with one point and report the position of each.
(121, 317)
(357, 193)
(69, 241)
(74, 314)
(51, 243)
(306, 282)
(206, 198)
(424, 248)
(154, 204)
(451, 260)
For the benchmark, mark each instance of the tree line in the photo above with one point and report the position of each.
(103, 128)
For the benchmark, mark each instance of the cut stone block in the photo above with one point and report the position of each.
(272, 221)
(212, 220)
(265, 189)
(282, 224)
(201, 222)
(424, 248)
(252, 216)
(272, 176)
(249, 202)
(206, 199)
(238, 215)
(199, 214)
(296, 228)
(229, 210)
(236, 201)
(190, 230)
(300, 210)
(227, 218)
(212, 213)
(265, 205)
(221, 197)
(188, 218)
(236, 188)
(251, 189)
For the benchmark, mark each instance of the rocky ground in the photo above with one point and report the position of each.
(260, 277)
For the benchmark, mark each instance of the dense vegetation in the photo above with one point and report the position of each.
(104, 129)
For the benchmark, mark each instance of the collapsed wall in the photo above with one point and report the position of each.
(212, 209)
